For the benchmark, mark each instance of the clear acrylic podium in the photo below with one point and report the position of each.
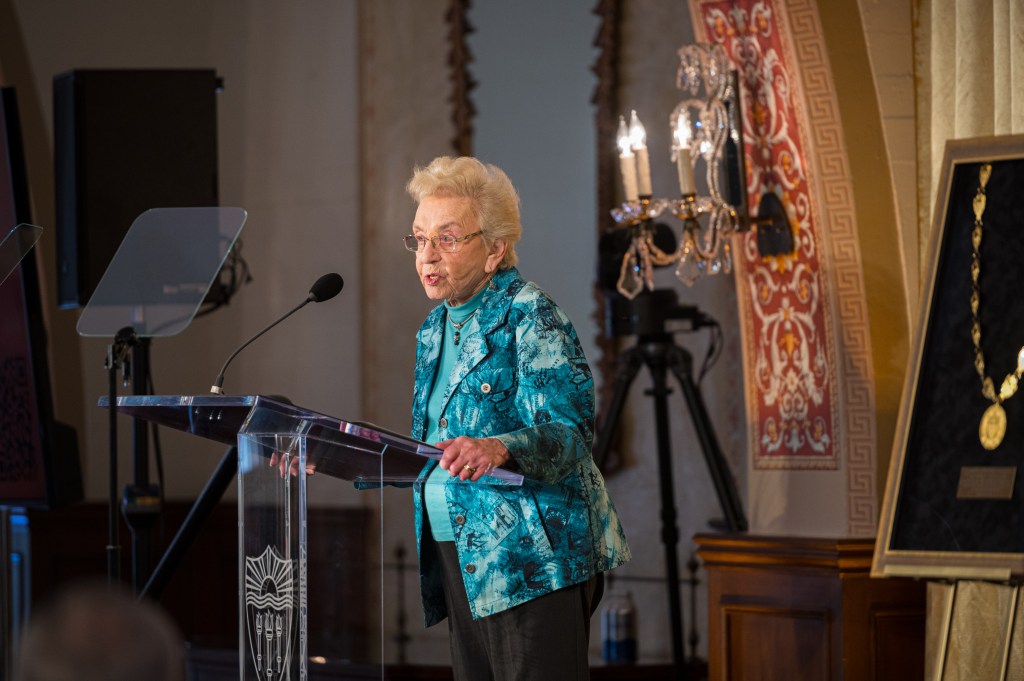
(276, 443)
(15, 245)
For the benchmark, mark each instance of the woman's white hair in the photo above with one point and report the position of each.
(495, 202)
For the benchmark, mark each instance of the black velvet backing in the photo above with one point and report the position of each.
(947, 408)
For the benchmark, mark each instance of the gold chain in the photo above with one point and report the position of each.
(993, 422)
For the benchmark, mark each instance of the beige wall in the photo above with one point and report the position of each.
(888, 34)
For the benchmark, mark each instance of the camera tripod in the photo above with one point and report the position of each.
(661, 355)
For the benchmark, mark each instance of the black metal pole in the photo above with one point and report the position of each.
(141, 503)
(113, 541)
(197, 515)
(692, 566)
(657, 363)
(140, 428)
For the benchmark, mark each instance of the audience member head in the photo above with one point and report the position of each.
(94, 632)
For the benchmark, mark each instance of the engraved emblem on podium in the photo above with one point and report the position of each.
(270, 592)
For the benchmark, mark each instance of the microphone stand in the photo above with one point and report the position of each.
(324, 288)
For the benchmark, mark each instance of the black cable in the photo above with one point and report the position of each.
(716, 342)
(714, 352)
(236, 269)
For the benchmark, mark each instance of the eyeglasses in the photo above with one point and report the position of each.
(444, 242)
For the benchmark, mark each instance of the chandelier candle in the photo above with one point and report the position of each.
(681, 134)
(627, 162)
(638, 140)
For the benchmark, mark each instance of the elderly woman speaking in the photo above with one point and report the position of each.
(501, 381)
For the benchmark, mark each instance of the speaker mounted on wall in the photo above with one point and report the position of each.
(126, 140)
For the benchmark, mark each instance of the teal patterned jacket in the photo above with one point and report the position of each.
(520, 377)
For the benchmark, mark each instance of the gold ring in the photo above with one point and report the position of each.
(469, 468)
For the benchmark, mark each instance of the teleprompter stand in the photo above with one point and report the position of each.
(657, 350)
(152, 288)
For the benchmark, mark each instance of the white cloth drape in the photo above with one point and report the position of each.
(970, 65)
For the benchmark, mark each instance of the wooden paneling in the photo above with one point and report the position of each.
(791, 639)
(798, 608)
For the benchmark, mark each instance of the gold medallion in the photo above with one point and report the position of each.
(993, 426)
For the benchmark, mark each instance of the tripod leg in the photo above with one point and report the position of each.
(630, 362)
(725, 486)
(669, 529)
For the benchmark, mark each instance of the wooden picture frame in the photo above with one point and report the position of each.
(952, 507)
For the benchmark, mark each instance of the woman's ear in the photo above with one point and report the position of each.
(497, 254)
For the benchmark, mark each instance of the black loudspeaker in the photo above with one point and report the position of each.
(39, 463)
(126, 141)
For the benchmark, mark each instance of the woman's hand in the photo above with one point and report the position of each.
(472, 458)
(288, 464)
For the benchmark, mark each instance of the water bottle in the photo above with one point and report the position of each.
(618, 629)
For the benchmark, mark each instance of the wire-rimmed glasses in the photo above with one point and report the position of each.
(443, 242)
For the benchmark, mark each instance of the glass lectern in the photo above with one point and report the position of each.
(15, 245)
(277, 443)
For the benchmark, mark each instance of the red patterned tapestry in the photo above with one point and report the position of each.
(789, 346)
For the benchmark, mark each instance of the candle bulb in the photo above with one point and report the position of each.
(627, 161)
(684, 168)
(638, 139)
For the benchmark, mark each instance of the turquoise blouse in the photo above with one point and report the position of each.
(434, 492)
(520, 377)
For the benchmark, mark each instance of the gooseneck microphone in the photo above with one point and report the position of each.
(325, 288)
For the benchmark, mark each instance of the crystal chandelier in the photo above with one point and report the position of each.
(706, 135)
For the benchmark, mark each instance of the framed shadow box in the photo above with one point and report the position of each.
(953, 500)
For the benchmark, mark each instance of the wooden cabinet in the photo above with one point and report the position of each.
(799, 608)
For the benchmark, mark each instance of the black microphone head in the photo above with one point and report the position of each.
(326, 287)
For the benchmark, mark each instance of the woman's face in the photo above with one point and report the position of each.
(457, 276)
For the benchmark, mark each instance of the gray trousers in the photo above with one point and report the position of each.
(545, 639)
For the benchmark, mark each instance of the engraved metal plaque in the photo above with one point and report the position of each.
(986, 482)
